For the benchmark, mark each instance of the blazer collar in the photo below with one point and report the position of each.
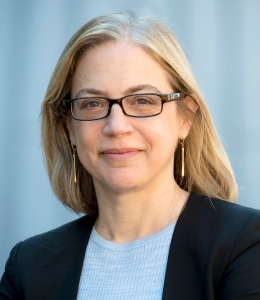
(74, 258)
(183, 276)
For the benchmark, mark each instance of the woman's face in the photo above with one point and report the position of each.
(124, 153)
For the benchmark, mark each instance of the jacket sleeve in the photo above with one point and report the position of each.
(7, 284)
(242, 277)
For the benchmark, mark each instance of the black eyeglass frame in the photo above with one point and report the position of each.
(165, 98)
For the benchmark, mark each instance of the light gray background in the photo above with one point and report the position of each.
(222, 41)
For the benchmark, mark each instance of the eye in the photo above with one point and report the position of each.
(143, 100)
(91, 103)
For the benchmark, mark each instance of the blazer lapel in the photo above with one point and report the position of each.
(181, 278)
(71, 258)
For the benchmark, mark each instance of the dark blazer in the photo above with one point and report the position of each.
(214, 254)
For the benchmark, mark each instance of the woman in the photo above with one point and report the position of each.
(129, 141)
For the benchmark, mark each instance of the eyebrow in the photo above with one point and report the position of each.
(130, 90)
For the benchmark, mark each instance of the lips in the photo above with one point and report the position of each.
(120, 153)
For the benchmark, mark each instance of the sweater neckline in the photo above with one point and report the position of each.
(111, 246)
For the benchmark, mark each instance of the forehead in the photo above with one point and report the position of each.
(116, 66)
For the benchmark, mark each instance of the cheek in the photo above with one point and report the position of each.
(175, 122)
(86, 153)
(85, 133)
(162, 135)
(86, 140)
(170, 132)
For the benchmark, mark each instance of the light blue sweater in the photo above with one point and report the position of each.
(125, 271)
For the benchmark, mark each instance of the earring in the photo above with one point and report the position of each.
(74, 162)
(182, 157)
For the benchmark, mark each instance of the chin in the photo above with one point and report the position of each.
(123, 186)
(121, 183)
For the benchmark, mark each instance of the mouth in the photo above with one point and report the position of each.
(120, 154)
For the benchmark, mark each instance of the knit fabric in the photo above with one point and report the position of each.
(125, 271)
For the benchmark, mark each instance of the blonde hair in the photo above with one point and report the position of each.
(207, 168)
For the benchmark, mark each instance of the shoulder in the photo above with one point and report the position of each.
(212, 223)
(218, 211)
(67, 233)
(60, 251)
(49, 262)
(51, 245)
(220, 226)
(227, 240)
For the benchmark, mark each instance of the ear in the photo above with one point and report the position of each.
(191, 103)
(70, 130)
(188, 117)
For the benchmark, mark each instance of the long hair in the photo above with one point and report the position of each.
(207, 168)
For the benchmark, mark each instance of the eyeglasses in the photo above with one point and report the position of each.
(136, 105)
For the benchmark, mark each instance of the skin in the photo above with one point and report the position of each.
(130, 159)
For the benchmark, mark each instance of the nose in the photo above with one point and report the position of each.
(117, 123)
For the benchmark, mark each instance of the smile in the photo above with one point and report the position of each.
(120, 154)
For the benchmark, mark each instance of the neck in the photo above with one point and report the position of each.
(125, 217)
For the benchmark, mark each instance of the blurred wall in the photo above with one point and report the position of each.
(221, 39)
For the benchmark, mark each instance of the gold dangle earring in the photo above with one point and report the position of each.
(74, 162)
(182, 157)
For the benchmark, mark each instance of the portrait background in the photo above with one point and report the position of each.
(221, 40)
